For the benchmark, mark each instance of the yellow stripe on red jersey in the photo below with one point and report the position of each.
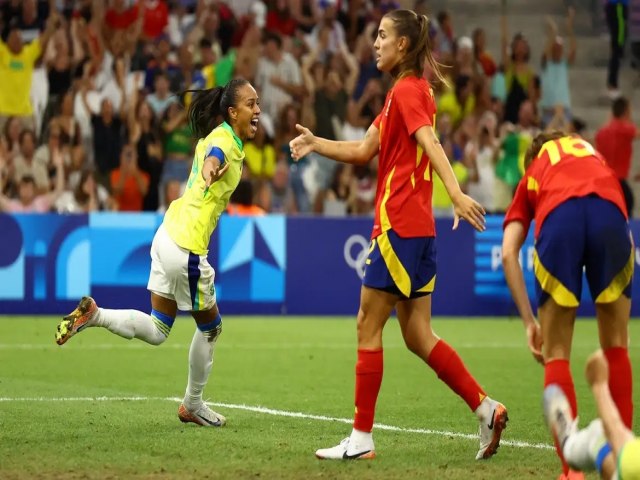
(404, 191)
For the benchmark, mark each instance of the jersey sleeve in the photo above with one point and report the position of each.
(631, 131)
(520, 209)
(217, 147)
(416, 105)
(215, 151)
(378, 119)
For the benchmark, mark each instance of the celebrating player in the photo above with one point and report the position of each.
(400, 271)
(606, 444)
(181, 277)
(580, 224)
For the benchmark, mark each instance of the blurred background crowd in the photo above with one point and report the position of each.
(91, 116)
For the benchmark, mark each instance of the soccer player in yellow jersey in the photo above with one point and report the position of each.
(606, 445)
(181, 277)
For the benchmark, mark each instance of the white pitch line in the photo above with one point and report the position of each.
(279, 413)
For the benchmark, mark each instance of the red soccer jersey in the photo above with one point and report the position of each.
(565, 168)
(403, 194)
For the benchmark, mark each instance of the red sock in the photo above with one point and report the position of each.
(451, 370)
(368, 381)
(558, 372)
(620, 383)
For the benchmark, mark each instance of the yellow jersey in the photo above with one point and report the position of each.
(629, 461)
(191, 219)
(16, 72)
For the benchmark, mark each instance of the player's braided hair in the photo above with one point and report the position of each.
(209, 105)
(415, 28)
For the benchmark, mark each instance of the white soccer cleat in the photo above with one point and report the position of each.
(202, 416)
(347, 450)
(557, 413)
(491, 430)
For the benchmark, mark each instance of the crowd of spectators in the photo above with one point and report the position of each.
(92, 116)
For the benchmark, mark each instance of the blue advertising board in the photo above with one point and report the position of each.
(264, 265)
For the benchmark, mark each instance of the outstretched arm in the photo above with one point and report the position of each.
(504, 38)
(573, 46)
(214, 166)
(357, 153)
(50, 29)
(512, 241)
(597, 373)
(552, 33)
(352, 66)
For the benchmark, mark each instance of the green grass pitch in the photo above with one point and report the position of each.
(104, 407)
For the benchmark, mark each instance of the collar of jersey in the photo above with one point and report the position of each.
(228, 128)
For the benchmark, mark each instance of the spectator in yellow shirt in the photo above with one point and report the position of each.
(16, 69)
(458, 102)
(260, 154)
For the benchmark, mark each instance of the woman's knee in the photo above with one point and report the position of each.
(369, 327)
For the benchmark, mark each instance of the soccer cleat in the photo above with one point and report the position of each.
(202, 416)
(346, 451)
(582, 448)
(557, 413)
(491, 431)
(77, 320)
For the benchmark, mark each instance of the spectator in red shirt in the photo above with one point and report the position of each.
(615, 142)
(280, 19)
(121, 17)
(129, 184)
(155, 14)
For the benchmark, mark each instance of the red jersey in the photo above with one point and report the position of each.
(403, 194)
(565, 168)
(615, 142)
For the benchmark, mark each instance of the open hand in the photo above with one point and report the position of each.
(468, 209)
(212, 171)
(534, 341)
(303, 144)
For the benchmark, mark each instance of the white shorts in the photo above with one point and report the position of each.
(178, 274)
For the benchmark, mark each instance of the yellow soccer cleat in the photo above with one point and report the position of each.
(77, 320)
